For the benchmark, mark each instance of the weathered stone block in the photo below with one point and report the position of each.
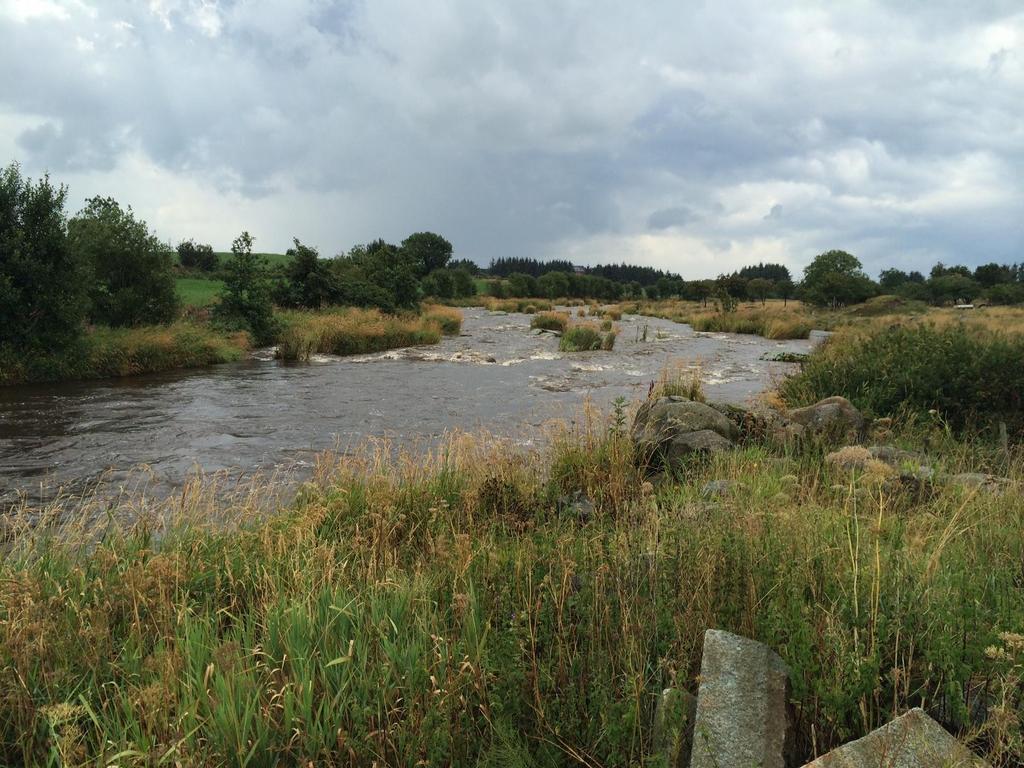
(743, 716)
(911, 741)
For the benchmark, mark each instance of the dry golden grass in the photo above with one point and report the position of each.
(352, 331)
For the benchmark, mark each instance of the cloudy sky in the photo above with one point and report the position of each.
(692, 136)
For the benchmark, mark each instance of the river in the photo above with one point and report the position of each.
(264, 415)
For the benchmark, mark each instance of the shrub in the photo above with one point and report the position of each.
(193, 255)
(245, 302)
(969, 376)
(585, 337)
(550, 321)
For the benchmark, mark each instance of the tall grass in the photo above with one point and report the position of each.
(108, 352)
(352, 331)
(447, 318)
(463, 609)
(550, 321)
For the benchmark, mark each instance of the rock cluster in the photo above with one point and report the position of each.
(669, 430)
(742, 717)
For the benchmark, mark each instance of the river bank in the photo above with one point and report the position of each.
(105, 353)
(489, 603)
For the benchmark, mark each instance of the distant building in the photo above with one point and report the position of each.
(580, 270)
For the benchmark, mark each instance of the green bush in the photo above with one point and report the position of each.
(970, 377)
(586, 338)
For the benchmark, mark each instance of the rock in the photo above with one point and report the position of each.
(703, 441)
(743, 716)
(981, 481)
(911, 741)
(669, 429)
(833, 419)
(714, 488)
(849, 458)
(672, 734)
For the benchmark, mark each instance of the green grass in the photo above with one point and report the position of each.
(197, 291)
(456, 611)
(272, 259)
(585, 337)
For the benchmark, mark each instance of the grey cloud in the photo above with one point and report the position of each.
(671, 217)
(520, 129)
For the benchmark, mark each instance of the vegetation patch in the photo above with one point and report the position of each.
(447, 318)
(550, 321)
(586, 337)
(352, 332)
(109, 352)
(969, 376)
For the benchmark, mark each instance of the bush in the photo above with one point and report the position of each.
(192, 255)
(550, 321)
(585, 337)
(970, 377)
(133, 278)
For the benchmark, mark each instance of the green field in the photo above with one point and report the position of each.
(272, 259)
(198, 291)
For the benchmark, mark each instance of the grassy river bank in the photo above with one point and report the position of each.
(490, 606)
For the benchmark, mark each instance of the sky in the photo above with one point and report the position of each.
(696, 137)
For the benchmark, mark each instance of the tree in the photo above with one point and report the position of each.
(522, 285)
(891, 279)
(953, 287)
(193, 255)
(440, 283)
(553, 285)
(991, 274)
(43, 282)
(427, 251)
(759, 288)
(835, 278)
(245, 301)
(703, 289)
(784, 289)
(308, 281)
(133, 278)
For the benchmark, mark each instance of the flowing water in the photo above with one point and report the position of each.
(262, 414)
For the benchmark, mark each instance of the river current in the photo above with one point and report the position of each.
(264, 415)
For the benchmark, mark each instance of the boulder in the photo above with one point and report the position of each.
(702, 441)
(672, 428)
(833, 419)
(672, 734)
(981, 481)
(911, 741)
(743, 716)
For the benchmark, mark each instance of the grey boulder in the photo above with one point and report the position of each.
(911, 741)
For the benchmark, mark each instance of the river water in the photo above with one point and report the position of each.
(262, 414)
